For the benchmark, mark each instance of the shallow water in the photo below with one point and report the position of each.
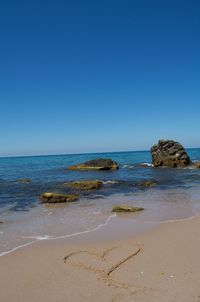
(25, 220)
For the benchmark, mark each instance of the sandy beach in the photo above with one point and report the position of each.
(100, 151)
(158, 265)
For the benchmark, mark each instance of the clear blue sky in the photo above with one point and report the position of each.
(89, 76)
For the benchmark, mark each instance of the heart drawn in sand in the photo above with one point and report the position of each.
(104, 263)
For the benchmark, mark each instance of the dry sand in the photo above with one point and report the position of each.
(162, 265)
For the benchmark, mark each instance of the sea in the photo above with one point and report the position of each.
(24, 220)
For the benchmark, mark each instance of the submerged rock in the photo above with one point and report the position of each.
(49, 197)
(170, 154)
(126, 208)
(24, 180)
(96, 164)
(84, 184)
(196, 165)
(147, 183)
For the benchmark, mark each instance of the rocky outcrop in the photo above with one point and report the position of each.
(126, 208)
(49, 197)
(85, 185)
(96, 164)
(170, 154)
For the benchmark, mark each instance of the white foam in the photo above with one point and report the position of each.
(147, 164)
(96, 212)
(16, 248)
(74, 234)
(44, 237)
(128, 166)
(107, 182)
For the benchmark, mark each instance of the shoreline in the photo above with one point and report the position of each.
(94, 219)
(161, 264)
(105, 232)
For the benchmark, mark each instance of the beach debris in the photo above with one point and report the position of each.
(96, 164)
(49, 197)
(84, 184)
(24, 180)
(126, 208)
(147, 183)
(170, 154)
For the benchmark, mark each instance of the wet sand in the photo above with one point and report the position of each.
(159, 265)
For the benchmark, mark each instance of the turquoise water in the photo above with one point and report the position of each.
(175, 196)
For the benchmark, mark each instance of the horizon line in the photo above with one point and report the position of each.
(84, 153)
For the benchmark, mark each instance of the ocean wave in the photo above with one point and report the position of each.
(39, 238)
(128, 166)
(146, 165)
(110, 182)
(47, 237)
(189, 168)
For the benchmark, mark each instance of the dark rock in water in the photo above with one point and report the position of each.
(170, 154)
(84, 184)
(147, 183)
(96, 164)
(57, 198)
(126, 208)
(24, 180)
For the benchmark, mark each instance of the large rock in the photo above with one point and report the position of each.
(169, 153)
(126, 208)
(84, 184)
(49, 197)
(96, 164)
